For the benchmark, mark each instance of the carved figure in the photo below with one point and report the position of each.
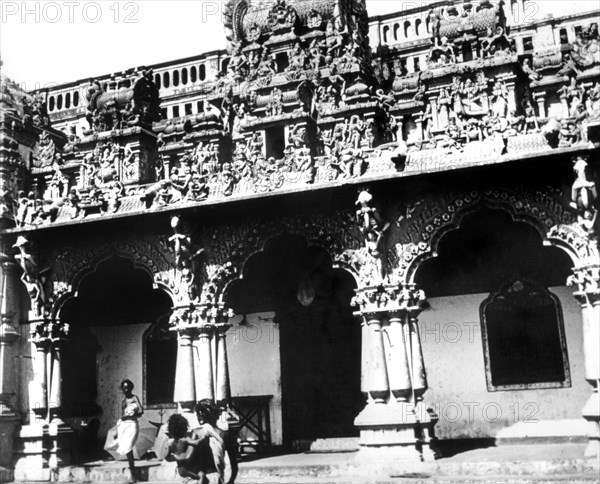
(33, 276)
(583, 191)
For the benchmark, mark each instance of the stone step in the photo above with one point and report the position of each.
(345, 444)
(522, 462)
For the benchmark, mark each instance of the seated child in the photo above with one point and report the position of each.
(181, 447)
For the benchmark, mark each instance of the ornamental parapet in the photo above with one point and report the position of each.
(300, 107)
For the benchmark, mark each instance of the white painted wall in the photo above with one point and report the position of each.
(453, 353)
(255, 364)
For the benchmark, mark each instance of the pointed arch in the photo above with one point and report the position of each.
(543, 209)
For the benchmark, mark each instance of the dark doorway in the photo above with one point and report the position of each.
(116, 295)
(319, 337)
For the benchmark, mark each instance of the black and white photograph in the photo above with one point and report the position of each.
(299, 241)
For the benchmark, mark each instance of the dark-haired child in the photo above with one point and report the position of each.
(181, 447)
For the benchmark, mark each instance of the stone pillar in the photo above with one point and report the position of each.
(418, 119)
(540, 99)
(434, 113)
(185, 387)
(204, 362)
(222, 387)
(588, 294)
(400, 377)
(378, 386)
(512, 95)
(9, 417)
(229, 420)
(46, 442)
(394, 381)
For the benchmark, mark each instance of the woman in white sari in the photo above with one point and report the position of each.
(127, 425)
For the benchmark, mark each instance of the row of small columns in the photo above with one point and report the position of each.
(202, 370)
(393, 376)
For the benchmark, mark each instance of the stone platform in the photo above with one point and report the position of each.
(535, 463)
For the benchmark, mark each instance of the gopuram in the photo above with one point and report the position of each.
(383, 230)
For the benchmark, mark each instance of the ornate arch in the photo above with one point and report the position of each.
(230, 247)
(428, 221)
(74, 262)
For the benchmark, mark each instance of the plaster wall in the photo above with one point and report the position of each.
(254, 365)
(453, 353)
(119, 356)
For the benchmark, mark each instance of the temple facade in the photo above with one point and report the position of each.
(377, 230)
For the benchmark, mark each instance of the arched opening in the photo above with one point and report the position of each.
(385, 31)
(193, 74)
(68, 100)
(76, 98)
(488, 251)
(203, 71)
(184, 76)
(497, 300)
(51, 104)
(291, 292)
(113, 308)
(467, 52)
(396, 32)
(175, 78)
(59, 102)
(157, 80)
(418, 27)
(407, 29)
(166, 79)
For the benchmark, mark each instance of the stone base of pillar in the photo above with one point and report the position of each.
(591, 412)
(62, 438)
(426, 431)
(41, 449)
(9, 421)
(31, 454)
(388, 431)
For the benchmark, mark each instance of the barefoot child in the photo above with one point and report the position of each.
(181, 447)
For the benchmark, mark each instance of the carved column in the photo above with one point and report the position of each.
(418, 119)
(586, 280)
(378, 386)
(9, 418)
(185, 387)
(588, 294)
(540, 98)
(223, 389)
(394, 380)
(204, 362)
(47, 442)
(400, 377)
(434, 112)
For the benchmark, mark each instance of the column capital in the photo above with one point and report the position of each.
(200, 317)
(586, 283)
(49, 332)
(389, 298)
